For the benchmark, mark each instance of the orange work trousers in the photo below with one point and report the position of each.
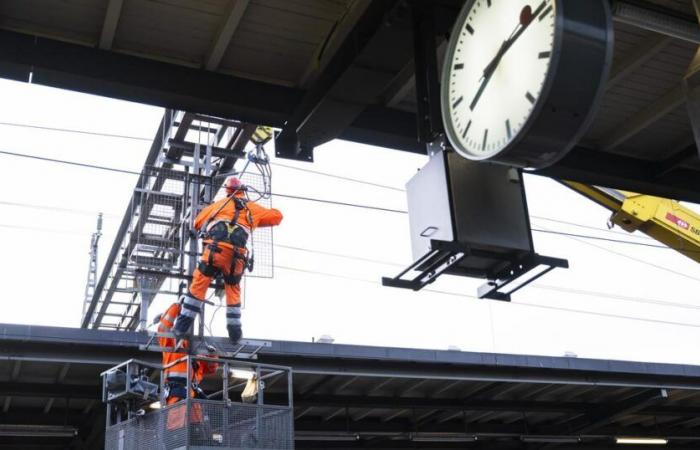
(177, 414)
(222, 259)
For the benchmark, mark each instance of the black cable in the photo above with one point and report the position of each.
(45, 230)
(56, 208)
(588, 227)
(333, 202)
(378, 208)
(69, 130)
(70, 163)
(529, 305)
(598, 238)
(138, 138)
(535, 285)
(339, 177)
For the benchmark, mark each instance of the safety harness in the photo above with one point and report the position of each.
(232, 233)
(177, 387)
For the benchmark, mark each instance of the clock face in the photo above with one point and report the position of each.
(495, 72)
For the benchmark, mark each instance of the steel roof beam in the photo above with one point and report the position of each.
(228, 27)
(109, 27)
(49, 390)
(671, 100)
(623, 172)
(637, 58)
(607, 414)
(650, 17)
(75, 67)
(349, 82)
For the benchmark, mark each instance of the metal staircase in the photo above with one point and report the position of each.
(156, 248)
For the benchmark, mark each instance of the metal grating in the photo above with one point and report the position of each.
(210, 424)
(156, 249)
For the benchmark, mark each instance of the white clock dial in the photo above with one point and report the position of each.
(496, 68)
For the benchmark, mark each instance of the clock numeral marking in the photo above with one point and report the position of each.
(530, 97)
(508, 131)
(545, 13)
(539, 9)
(470, 29)
(464, 133)
(545, 55)
(457, 102)
(488, 3)
(486, 134)
(458, 66)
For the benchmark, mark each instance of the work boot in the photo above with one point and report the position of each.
(191, 307)
(182, 327)
(233, 323)
(235, 332)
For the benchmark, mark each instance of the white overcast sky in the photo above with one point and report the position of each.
(617, 301)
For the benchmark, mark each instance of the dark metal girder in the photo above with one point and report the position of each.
(85, 69)
(372, 54)
(626, 173)
(52, 390)
(451, 404)
(606, 414)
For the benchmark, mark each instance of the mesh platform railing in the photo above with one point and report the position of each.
(211, 424)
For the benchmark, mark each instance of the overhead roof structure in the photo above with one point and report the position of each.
(349, 396)
(346, 69)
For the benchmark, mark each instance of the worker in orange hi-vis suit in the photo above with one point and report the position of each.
(176, 375)
(226, 226)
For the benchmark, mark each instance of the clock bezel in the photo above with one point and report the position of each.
(447, 70)
(566, 106)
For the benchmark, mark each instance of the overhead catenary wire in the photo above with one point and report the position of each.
(569, 235)
(340, 177)
(338, 203)
(587, 292)
(576, 237)
(522, 304)
(396, 264)
(56, 209)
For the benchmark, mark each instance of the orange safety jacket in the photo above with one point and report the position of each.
(259, 215)
(178, 372)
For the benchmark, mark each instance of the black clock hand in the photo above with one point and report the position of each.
(526, 17)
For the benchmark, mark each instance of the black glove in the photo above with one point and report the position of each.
(235, 332)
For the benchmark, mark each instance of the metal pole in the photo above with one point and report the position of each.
(258, 410)
(194, 207)
(226, 404)
(188, 402)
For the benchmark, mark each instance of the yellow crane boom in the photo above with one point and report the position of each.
(666, 221)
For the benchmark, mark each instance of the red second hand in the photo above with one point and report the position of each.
(526, 16)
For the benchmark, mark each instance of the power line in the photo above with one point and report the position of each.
(339, 177)
(44, 230)
(379, 208)
(338, 255)
(70, 163)
(589, 227)
(538, 286)
(72, 130)
(55, 208)
(656, 266)
(333, 202)
(139, 138)
(620, 241)
(523, 304)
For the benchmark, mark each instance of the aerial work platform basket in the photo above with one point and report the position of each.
(233, 414)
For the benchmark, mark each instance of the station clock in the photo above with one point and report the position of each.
(522, 79)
